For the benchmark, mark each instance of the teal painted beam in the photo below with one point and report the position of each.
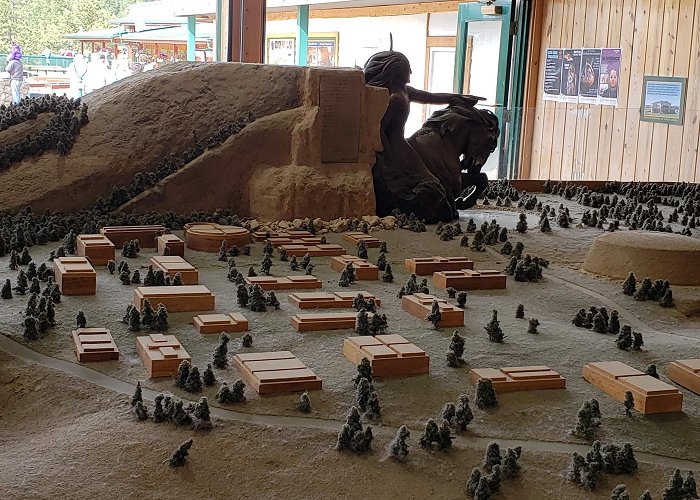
(191, 40)
(217, 35)
(302, 34)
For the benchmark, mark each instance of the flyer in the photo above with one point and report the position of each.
(570, 71)
(608, 87)
(589, 77)
(552, 75)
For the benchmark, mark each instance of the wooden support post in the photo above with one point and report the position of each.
(243, 33)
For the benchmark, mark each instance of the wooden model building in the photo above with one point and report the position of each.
(173, 264)
(420, 305)
(207, 236)
(321, 322)
(75, 276)
(285, 283)
(122, 234)
(468, 279)
(176, 298)
(389, 355)
(161, 354)
(650, 395)
(327, 250)
(333, 300)
(266, 235)
(278, 241)
(363, 269)
(425, 266)
(96, 248)
(357, 236)
(217, 323)
(686, 372)
(519, 378)
(169, 244)
(276, 372)
(94, 344)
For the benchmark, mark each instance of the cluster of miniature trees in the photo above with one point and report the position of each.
(412, 286)
(254, 298)
(409, 222)
(488, 234)
(455, 351)
(365, 396)
(461, 297)
(377, 325)
(598, 320)
(447, 232)
(148, 318)
(481, 486)
(226, 394)
(677, 489)
(39, 314)
(527, 269)
(168, 408)
(587, 471)
(658, 291)
(131, 249)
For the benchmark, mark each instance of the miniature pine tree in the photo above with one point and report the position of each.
(134, 320)
(177, 280)
(159, 414)
(293, 264)
(624, 339)
(208, 377)
(457, 345)
(159, 278)
(473, 482)
(520, 311)
(462, 299)
(629, 286)
(398, 448)
(383, 247)
(674, 491)
(646, 495)
(251, 272)
(238, 392)
(493, 329)
(544, 225)
(378, 324)
(202, 415)
(364, 370)
(257, 299)
(283, 255)
(492, 456)
(223, 257)
(350, 269)
(463, 413)
(25, 258)
(362, 250)
(304, 403)
(435, 315)
(387, 277)
(667, 299)
(180, 456)
(305, 261)
(344, 280)
(31, 326)
(148, 315)
(220, 357)
(362, 394)
(614, 322)
(381, 262)
(242, 296)
(160, 322)
(629, 403)
(521, 226)
(35, 287)
(136, 278)
(644, 292)
(14, 260)
(464, 242)
(585, 426)
(6, 292)
(111, 266)
(140, 411)
(485, 394)
(448, 412)
(362, 323)
(271, 300)
(22, 283)
(183, 373)
(511, 467)
(620, 493)
(125, 278)
(651, 371)
(247, 341)
(532, 326)
(599, 323)
(637, 341)
(431, 435)
(690, 488)
(31, 271)
(494, 479)
(451, 292)
(137, 397)
(507, 248)
(80, 320)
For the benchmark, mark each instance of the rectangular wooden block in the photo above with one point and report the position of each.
(75, 276)
(524, 378)
(333, 300)
(650, 394)
(356, 236)
(217, 323)
(173, 264)
(173, 244)
(317, 322)
(686, 372)
(420, 305)
(161, 354)
(425, 266)
(327, 250)
(303, 282)
(276, 372)
(95, 248)
(176, 298)
(363, 269)
(121, 234)
(468, 279)
(266, 235)
(94, 344)
(389, 355)
(286, 240)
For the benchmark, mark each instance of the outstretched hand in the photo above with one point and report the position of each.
(467, 101)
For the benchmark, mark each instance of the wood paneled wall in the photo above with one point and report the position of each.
(592, 142)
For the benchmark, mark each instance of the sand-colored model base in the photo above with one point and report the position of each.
(173, 264)
(355, 237)
(321, 322)
(425, 266)
(468, 279)
(266, 235)
(650, 395)
(218, 323)
(420, 305)
(519, 378)
(121, 234)
(96, 248)
(276, 372)
(160, 354)
(389, 355)
(334, 300)
(304, 282)
(645, 253)
(94, 344)
(328, 250)
(169, 244)
(176, 298)
(363, 269)
(686, 372)
(207, 236)
(75, 276)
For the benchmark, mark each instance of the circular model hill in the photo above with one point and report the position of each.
(667, 256)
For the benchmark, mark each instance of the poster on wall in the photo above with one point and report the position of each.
(552, 75)
(322, 52)
(663, 99)
(609, 76)
(570, 70)
(589, 77)
(281, 51)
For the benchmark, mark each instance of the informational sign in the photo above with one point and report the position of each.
(322, 49)
(609, 76)
(570, 71)
(590, 76)
(663, 100)
(552, 75)
(322, 52)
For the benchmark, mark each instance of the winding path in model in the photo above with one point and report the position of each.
(89, 375)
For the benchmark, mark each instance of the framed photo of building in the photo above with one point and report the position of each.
(663, 99)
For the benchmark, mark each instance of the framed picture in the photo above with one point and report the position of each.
(663, 99)
(322, 49)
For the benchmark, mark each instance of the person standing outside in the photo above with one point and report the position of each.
(16, 70)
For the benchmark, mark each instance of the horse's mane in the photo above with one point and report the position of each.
(448, 119)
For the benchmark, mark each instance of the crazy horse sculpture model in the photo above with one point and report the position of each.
(423, 175)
